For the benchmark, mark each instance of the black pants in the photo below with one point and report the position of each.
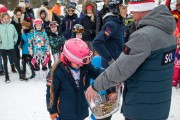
(26, 59)
(108, 118)
(11, 53)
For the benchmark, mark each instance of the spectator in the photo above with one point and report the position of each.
(9, 38)
(29, 13)
(88, 21)
(69, 21)
(56, 41)
(102, 12)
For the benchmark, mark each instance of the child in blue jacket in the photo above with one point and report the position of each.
(26, 57)
(68, 80)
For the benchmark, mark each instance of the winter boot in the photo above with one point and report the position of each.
(23, 77)
(13, 69)
(37, 68)
(44, 68)
(32, 76)
(7, 80)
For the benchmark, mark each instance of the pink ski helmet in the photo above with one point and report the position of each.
(76, 50)
(37, 21)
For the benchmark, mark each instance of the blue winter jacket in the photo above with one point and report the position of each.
(110, 40)
(25, 45)
(69, 100)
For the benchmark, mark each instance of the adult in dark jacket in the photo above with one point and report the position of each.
(88, 21)
(69, 21)
(102, 12)
(16, 21)
(29, 13)
(145, 65)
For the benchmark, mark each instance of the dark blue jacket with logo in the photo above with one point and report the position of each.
(109, 42)
(72, 103)
(68, 24)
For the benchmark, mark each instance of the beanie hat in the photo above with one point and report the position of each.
(3, 9)
(22, 4)
(26, 24)
(72, 5)
(141, 5)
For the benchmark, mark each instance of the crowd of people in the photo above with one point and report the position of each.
(140, 55)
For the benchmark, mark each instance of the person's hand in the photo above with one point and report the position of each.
(90, 94)
(112, 97)
(53, 116)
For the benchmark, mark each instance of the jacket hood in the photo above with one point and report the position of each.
(160, 17)
(43, 9)
(91, 4)
(111, 17)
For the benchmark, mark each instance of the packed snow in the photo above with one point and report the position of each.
(21, 100)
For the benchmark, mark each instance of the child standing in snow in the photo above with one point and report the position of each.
(39, 45)
(176, 74)
(26, 57)
(68, 80)
(56, 40)
(8, 38)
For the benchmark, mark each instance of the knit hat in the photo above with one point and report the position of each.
(72, 5)
(141, 5)
(3, 9)
(22, 4)
(26, 24)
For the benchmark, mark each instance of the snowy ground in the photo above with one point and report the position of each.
(21, 100)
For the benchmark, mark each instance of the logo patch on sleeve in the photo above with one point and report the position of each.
(108, 31)
(168, 57)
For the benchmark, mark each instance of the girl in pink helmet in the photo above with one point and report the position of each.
(68, 80)
(39, 45)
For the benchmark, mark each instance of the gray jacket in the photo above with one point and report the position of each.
(144, 58)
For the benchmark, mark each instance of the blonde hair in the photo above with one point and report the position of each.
(2, 15)
(54, 67)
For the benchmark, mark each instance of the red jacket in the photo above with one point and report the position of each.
(175, 13)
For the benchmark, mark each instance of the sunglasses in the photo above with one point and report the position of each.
(70, 10)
